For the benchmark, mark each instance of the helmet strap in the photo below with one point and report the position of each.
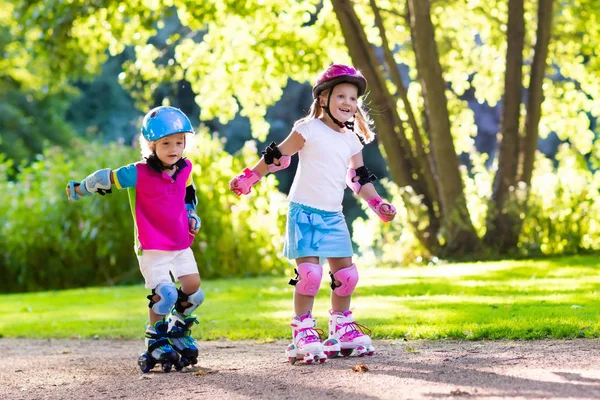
(154, 162)
(347, 124)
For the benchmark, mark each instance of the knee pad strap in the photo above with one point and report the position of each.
(168, 297)
(195, 299)
(348, 278)
(308, 278)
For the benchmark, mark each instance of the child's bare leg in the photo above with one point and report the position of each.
(181, 319)
(303, 303)
(345, 335)
(189, 284)
(306, 340)
(339, 303)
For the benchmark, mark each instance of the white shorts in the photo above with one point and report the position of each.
(155, 265)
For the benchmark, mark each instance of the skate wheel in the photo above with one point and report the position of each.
(167, 367)
(179, 365)
(145, 363)
(184, 361)
(308, 361)
(193, 361)
(332, 354)
(322, 360)
(346, 352)
(292, 360)
(371, 353)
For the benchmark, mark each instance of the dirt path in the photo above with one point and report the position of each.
(106, 369)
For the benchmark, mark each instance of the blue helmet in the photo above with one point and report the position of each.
(164, 121)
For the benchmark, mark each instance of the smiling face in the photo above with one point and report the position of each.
(170, 148)
(344, 101)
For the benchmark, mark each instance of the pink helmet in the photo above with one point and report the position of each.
(336, 74)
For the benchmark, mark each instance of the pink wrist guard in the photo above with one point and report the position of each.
(243, 183)
(384, 210)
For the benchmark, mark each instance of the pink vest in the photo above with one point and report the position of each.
(160, 215)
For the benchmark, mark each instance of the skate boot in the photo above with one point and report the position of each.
(306, 342)
(159, 350)
(347, 337)
(181, 339)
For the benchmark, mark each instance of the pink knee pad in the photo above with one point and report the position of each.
(308, 279)
(348, 278)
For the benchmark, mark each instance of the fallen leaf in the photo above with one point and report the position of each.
(203, 372)
(459, 392)
(67, 351)
(360, 367)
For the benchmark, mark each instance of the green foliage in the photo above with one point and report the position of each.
(48, 242)
(554, 298)
(564, 207)
(560, 213)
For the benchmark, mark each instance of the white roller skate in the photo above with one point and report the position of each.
(306, 343)
(181, 339)
(347, 337)
(159, 350)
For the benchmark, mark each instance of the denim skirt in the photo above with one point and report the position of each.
(314, 232)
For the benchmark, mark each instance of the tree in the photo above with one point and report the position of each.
(238, 55)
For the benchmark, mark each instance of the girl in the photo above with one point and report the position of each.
(330, 157)
(163, 203)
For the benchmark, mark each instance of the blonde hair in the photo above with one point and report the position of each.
(363, 121)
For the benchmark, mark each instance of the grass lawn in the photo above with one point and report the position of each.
(550, 298)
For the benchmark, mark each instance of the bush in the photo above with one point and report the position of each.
(48, 242)
(561, 215)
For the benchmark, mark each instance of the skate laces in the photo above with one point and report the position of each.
(351, 329)
(310, 335)
(306, 330)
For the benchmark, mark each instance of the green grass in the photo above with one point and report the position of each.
(551, 298)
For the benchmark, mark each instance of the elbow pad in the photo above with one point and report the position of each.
(98, 181)
(364, 177)
(271, 153)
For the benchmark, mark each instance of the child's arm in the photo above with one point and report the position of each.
(274, 158)
(100, 181)
(359, 180)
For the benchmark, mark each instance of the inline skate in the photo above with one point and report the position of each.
(159, 350)
(347, 337)
(181, 339)
(306, 344)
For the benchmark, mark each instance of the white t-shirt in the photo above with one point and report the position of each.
(321, 175)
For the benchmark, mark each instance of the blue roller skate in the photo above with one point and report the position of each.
(180, 336)
(159, 350)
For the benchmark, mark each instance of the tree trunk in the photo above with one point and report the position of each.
(535, 93)
(402, 163)
(502, 222)
(459, 232)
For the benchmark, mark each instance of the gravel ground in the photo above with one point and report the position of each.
(107, 369)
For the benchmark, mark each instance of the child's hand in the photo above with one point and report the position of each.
(194, 223)
(242, 183)
(384, 210)
(73, 191)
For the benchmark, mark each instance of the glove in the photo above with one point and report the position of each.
(243, 183)
(72, 193)
(384, 210)
(192, 214)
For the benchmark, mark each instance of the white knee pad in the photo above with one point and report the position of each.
(195, 299)
(308, 278)
(168, 297)
(348, 278)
